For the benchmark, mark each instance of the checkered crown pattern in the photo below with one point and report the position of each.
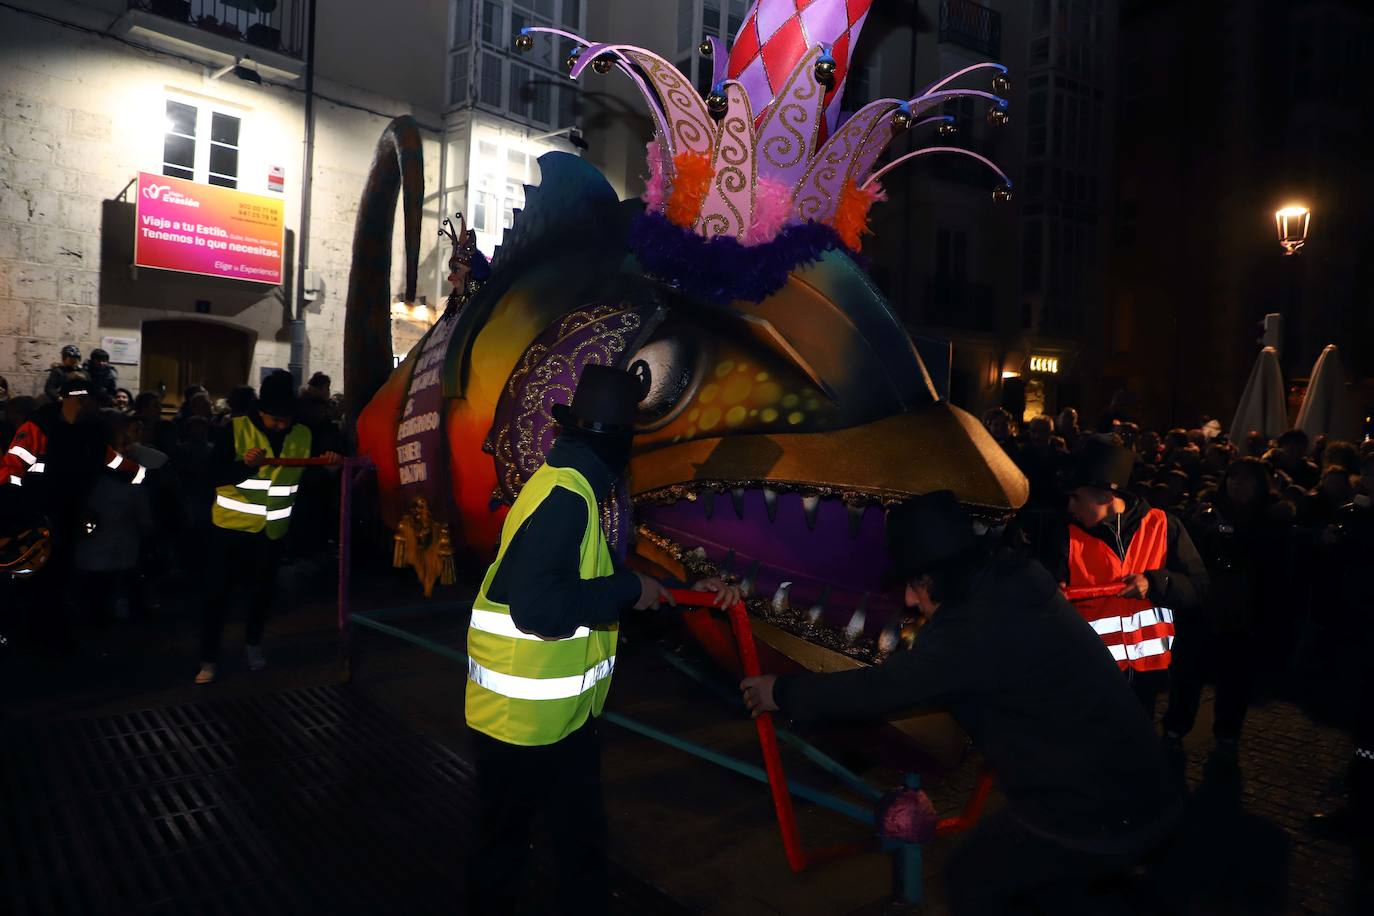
(766, 150)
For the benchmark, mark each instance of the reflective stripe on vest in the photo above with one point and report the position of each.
(264, 501)
(24, 454)
(524, 689)
(1138, 634)
(541, 688)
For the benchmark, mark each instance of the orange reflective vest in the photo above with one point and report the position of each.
(1138, 632)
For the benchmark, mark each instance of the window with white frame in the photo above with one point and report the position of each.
(200, 142)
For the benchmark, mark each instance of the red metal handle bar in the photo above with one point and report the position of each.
(1089, 592)
(768, 738)
(301, 462)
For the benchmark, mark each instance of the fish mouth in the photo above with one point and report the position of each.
(803, 526)
(813, 564)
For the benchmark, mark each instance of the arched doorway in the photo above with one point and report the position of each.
(178, 354)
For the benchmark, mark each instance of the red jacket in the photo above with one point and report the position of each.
(1138, 632)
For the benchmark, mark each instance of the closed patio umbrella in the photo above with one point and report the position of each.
(1327, 408)
(1261, 404)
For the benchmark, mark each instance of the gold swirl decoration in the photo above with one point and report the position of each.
(690, 124)
(729, 204)
(821, 189)
(783, 151)
(540, 380)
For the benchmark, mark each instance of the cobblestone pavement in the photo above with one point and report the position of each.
(1290, 767)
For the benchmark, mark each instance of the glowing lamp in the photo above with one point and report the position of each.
(1292, 223)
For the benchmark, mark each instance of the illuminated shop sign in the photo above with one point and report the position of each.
(1048, 364)
(205, 229)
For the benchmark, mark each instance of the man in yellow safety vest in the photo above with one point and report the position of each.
(541, 649)
(250, 515)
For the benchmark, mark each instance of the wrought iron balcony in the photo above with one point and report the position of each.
(276, 26)
(973, 26)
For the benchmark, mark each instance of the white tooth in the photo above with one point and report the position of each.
(780, 602)
(811, 505)
(817, 609)
(856, 520)
(855, 628)
(737, 499)
(708, 502)
(746, 587)
(770, 502)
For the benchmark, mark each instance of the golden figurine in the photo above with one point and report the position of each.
(423, 543)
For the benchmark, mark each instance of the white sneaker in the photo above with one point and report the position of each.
(206, 675)
(256, 660)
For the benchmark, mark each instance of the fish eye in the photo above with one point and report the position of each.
(666, 370)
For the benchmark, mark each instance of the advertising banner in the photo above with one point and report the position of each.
(205, 229)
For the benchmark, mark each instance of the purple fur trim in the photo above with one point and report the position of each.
(720, 269)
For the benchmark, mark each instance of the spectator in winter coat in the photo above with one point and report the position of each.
(1242, 536)
(71, 362)
(1082, 771)
(1290, 457)
(104, 377)
(116, 518)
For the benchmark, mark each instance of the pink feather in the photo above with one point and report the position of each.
(655, 189)
(772, 207)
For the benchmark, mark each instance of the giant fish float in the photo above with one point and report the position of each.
(785, 406)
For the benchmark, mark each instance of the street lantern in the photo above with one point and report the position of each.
(1292, 222)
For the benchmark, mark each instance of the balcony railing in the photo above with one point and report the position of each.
(274, 25)
(973, 26)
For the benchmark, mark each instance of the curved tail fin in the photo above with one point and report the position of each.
(397, 169)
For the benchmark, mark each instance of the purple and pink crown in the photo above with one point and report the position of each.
(762, 174)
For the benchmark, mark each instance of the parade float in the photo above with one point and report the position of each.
(785, 406)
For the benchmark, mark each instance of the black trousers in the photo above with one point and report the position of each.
(1147, 686)
(1003, 868)
(239, 563)
(559, 784)
(1198, 650)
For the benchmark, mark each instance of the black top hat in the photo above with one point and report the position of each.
(604, 403)
(76, 385)
(1103, 465)
(927, 531)
(277, 394)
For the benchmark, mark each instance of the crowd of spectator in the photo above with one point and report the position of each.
(1285, 527)
(126, 486)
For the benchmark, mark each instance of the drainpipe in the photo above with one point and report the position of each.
(299, 353)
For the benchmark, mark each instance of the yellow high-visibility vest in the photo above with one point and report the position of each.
(523, 689)
(263, 501)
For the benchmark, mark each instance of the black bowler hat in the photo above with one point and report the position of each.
(277, 394)
(927, 531)
(1103, 465)
(604, 403)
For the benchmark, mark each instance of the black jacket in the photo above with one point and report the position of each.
(1182, 581)
(540, 577)
(57, 374)
(1038, 693)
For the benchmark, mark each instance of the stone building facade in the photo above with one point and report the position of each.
(85, 92)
